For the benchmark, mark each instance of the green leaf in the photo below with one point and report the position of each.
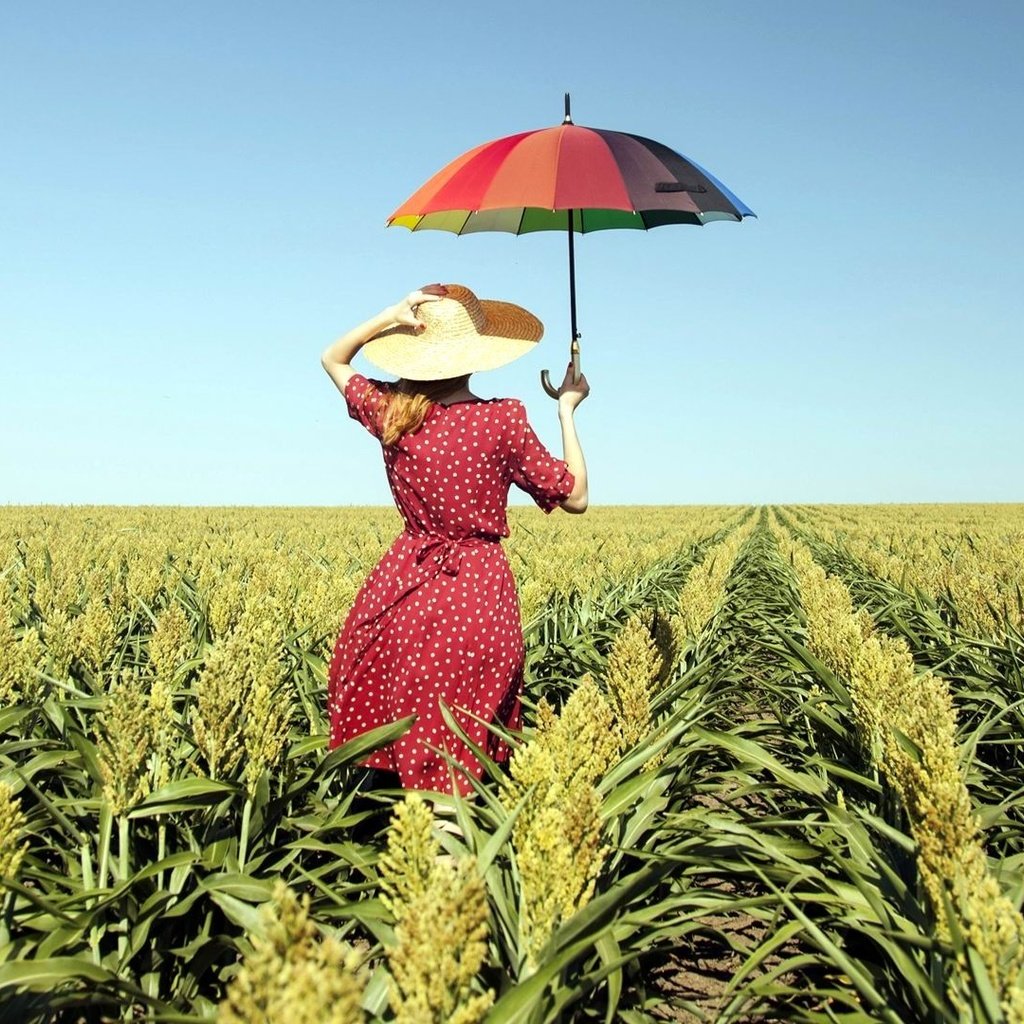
(755, 754)
(183, 795)
(44, 975)
(610, 953)
(358, 748)
(240, 886)
(243, 914)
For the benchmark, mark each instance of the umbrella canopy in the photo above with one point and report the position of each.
(526, 182)
(568, 178)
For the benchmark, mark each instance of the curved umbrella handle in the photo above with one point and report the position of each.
(545, 379)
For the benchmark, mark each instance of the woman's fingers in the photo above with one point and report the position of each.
(570, 384)
(575, 391)
(405, 311)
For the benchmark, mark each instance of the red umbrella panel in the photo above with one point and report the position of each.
(568, 178)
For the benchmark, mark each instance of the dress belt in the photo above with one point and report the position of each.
(446, 552)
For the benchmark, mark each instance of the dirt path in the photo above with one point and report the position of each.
(696, 977)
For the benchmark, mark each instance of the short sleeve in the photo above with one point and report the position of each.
(367, 400)
(534, 469)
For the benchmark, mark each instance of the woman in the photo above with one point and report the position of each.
(437, 619)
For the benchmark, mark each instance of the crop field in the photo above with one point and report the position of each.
(772, 769)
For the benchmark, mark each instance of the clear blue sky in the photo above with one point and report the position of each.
(192, 206)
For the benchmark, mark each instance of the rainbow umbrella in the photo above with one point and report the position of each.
(568, 178)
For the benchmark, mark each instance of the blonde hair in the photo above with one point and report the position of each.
(410, 402)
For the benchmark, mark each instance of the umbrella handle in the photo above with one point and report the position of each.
(545, 379)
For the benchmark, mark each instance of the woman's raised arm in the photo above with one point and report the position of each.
(337, 358)
(570, 395)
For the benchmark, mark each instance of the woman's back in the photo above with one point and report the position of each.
(451, 476)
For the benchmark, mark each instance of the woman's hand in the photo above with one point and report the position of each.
(337, 358)
(404, 312)
(571, 393)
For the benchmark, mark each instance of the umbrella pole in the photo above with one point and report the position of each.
(574, 346)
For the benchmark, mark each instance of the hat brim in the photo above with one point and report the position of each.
(511, 331)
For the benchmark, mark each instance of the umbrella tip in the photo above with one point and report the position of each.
(568, 115)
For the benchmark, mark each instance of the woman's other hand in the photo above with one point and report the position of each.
(571, 393)
(405, 311)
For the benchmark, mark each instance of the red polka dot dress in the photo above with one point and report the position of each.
(437, 619)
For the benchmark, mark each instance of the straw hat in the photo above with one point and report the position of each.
(463, 334)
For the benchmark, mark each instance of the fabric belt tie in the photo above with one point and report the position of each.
(446, 552)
